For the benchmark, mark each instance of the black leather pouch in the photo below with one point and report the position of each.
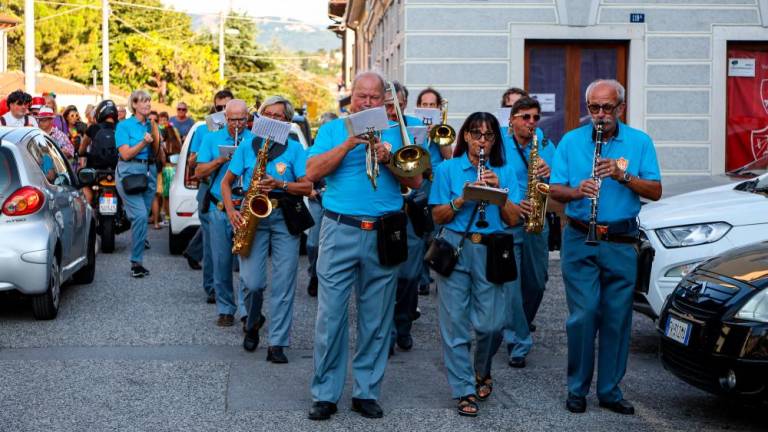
(135, 183)
(500, 266)
(296, 214)
(392, 239)
(441, 256)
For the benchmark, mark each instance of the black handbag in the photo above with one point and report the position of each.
(135, 183)
(419, 214)
(442, 256)
(500, 265)
(392, 239)
(296, 214)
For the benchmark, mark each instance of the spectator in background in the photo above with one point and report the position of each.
(121, 113)
(157, 201)
(37, 103)
(18, 114)
(75, 128)
(171, 148)
(90, 115)
(50, 102)
(45, 117)
(181, 121)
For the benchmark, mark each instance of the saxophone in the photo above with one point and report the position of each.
(538, 191)
(255, 207)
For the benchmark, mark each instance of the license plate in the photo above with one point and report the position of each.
(107, 205)
(678, 330)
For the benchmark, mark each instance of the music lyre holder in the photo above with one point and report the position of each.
(491, 195)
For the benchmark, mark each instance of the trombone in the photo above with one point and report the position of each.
(443, 134)
(410, 160)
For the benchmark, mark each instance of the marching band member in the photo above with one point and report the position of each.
(532, 248)
(283, 181)
(600, 279)
(467, 297)
(210, 163)
(356, 215)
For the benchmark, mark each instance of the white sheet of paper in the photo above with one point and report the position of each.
(741, 67)
(419, 134)
(429, 116)
(373, 119)
(502, 115)
(215, 121)
(546, 100)
(275, 130)
(227, 151)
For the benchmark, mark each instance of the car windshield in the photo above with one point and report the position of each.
(7, 172)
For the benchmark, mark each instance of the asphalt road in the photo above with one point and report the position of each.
(145, 355)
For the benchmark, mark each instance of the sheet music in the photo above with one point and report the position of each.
(430, 116)
(502, 114)
(371, 119)
(215, 121)
(274, 130)
(227, 151)
(419, 134)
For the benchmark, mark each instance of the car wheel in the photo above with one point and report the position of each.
(46, 306)
(108, 234)
(176, 243)
(85, 275)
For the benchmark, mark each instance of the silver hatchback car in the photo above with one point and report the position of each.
(47, 232)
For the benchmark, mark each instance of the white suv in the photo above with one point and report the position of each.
(682, 231)
(183, 195)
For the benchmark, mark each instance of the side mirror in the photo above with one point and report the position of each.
(86, 176)
(174, 159)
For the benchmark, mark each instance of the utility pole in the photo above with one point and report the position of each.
(221, 46)
(29, 46)
(105, 48)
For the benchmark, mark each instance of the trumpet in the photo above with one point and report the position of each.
(592, 232)
(371, 158)
(409, 160)
(443, 134)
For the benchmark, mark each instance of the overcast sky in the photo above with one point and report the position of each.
(310, 11)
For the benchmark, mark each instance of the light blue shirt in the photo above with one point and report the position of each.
(348, 189)
(209, 150)
(449, 182)
(512, 156)
(573, 164)
(293, 163)
(197, 139)
(131, 132)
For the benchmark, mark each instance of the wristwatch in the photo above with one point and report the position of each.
(285, 185)
(625, 178)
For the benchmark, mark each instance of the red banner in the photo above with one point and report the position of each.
(746, 128)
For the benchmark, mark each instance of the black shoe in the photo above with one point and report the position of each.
(576, 404)
(276, 355)
(194, 265)
(244, 320)
(312, 287)
(424, 289)
(532, 327)
(146, 244)
(225, 320)
(622, 406)
(368, 408)
(251, 339)
(211, 299)
(138, 271)
(405, 342)
(322, 410)
(517, 362)
(391, 350)
(416, 314)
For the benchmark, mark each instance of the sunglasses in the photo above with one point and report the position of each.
(607, 108)
(181, 109)
(219, 108)
(477, 135)
(237, 120)
(527, 117)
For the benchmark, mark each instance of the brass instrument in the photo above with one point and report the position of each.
(538, 191)
(592, 232)
(255, 207)
(443, 134)
(409, 160)
(371, 158)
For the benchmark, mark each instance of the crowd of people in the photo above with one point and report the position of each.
(386, 240)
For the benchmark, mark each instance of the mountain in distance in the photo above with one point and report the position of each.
(291, 34)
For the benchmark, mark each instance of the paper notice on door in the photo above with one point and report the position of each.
(741, 67)
(547, 101)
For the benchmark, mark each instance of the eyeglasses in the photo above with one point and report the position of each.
(181, 109)
(237, 120)
(607, 108)
(527, 117)
(273, 116)
(220, 108)
(477, 135)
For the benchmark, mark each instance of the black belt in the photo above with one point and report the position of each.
(475, 237)
(142, 161)
(364, 223)
(608, 232)
(220, 205)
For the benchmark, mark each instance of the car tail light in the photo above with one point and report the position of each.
(184, 214)
(24, 201)
(108, 195)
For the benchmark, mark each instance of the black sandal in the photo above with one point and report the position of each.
(484, 386)
(466, 403)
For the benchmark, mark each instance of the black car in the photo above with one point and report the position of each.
(714, 326)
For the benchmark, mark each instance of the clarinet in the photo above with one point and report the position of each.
(592, 232)
(481, 222)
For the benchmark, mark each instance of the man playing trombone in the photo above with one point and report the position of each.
(603, 187)
(361, 244)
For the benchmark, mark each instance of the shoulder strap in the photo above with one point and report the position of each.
(466, 231)
(520, 152)
(2, 121)
(26, 120)
(274, 150)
